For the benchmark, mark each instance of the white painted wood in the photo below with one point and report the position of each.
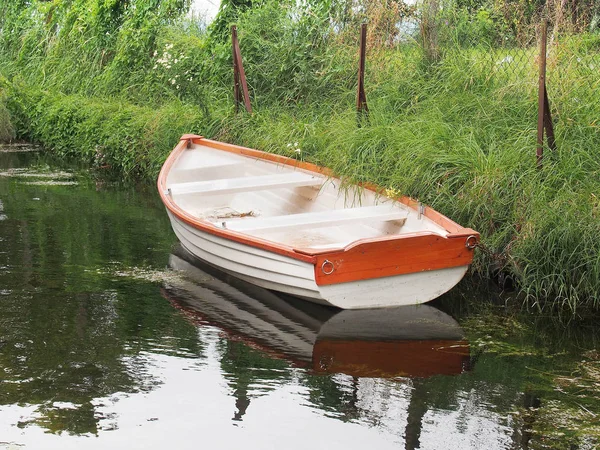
(260, 267)
(315, 219)
(399, 290)
(245, 184)
(284, 274)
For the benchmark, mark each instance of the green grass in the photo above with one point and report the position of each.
(458, 134)
(130, 138)
(7, 130)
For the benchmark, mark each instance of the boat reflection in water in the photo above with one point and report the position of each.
(406, 341)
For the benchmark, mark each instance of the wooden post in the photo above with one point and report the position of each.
(544, 114)
(240, 87)
(361, 98)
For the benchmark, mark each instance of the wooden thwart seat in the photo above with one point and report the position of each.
(209, 166)
(382, 213)
(245, 184)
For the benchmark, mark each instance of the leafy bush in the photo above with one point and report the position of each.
(129, 138)
(7, 130)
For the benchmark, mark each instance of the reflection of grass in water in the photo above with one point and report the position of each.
(577, 412)
(547, 360)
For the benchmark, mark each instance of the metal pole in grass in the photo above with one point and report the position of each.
(240, 87)
(361, 98)
(544, 115)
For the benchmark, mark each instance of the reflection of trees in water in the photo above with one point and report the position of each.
(67, 331)
(250, 373)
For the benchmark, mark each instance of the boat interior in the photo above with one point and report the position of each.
(284, 204)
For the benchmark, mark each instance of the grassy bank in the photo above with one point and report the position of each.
(7, 130)
(457, 133)
(110, 133)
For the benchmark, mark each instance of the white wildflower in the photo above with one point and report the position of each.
(506, 60)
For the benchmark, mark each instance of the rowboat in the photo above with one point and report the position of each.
(293, 227)
(404, 341)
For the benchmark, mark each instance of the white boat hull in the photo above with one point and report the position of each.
(291, 276)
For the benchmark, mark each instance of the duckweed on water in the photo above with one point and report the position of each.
(51, 183)
(18, 148)
(152, 275)
(33, 173)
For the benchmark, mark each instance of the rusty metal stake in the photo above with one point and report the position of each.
(544, 114)
(361, 98)
(240, 87)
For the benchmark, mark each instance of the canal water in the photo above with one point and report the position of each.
(111, 337)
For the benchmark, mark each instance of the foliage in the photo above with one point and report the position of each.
(127, 137)
(94, 47)
(7, 130)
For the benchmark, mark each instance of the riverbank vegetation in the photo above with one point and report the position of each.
(7, 131)
(452, 96)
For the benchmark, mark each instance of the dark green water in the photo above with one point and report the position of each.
(102, 345)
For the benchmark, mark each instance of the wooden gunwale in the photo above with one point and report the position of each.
(316, 257)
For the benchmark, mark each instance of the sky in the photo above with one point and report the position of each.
(207, 8)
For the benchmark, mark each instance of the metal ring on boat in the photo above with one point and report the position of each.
(471, 242)
(325, 271)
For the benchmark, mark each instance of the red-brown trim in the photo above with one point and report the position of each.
(273, 157)
(190, 137)
(375, 258)
(363, 259)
